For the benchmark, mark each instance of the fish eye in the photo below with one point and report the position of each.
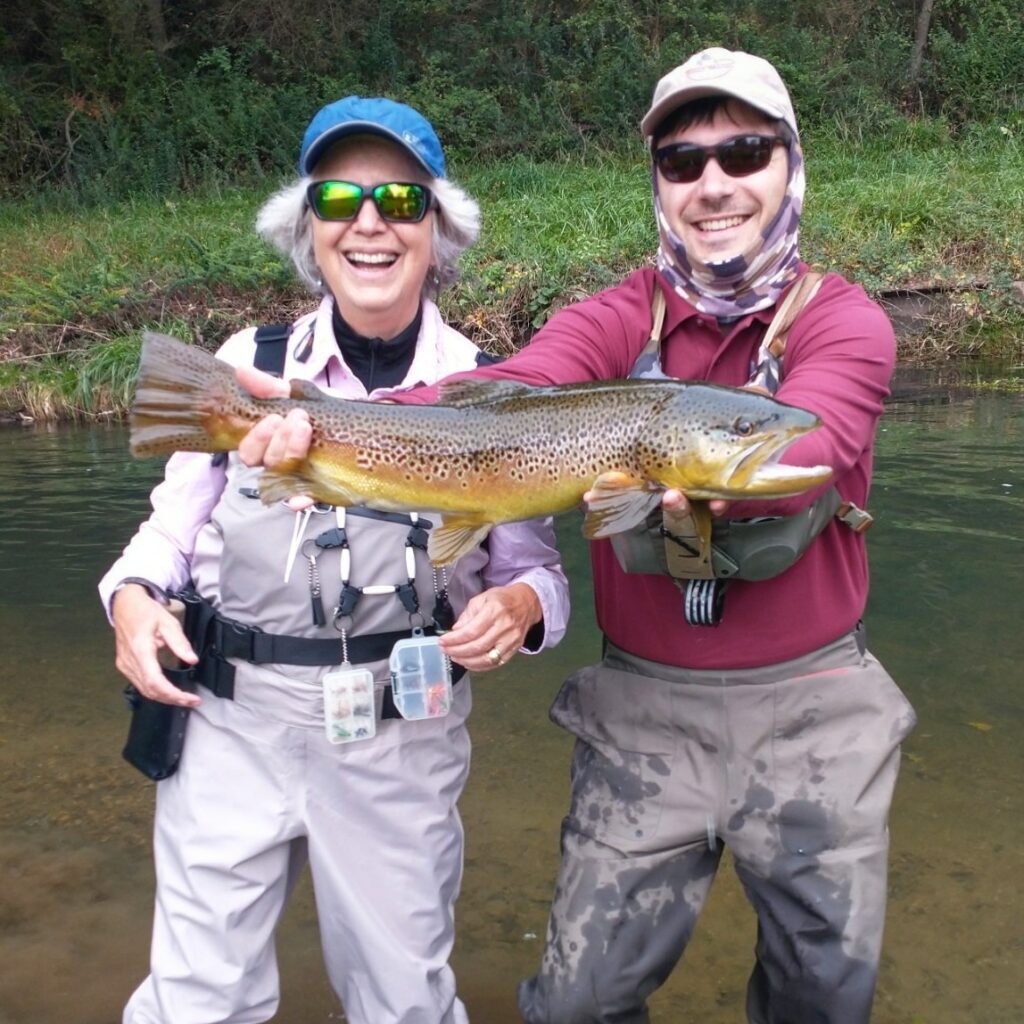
(743, 427)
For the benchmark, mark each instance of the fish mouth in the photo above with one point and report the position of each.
(756, 470)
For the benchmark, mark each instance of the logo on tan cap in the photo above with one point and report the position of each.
(710, 64)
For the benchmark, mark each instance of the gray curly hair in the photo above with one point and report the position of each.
(285, 221)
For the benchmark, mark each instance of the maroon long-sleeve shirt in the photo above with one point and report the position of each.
(839, 359)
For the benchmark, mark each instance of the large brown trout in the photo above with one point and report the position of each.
(492, 451)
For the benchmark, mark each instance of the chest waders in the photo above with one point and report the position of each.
(217, 637)
(701, 554)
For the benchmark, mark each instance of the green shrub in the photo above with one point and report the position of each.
(111, 100)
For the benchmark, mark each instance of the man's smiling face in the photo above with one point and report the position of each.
(719, 217)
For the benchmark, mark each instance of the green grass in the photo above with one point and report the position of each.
(78, 283)
(896, 213)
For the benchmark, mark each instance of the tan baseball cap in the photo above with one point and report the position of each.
(721, 72)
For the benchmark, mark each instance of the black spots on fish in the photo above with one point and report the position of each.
(385, 456)
(652, 457)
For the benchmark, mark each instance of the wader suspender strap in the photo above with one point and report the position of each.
(657, 318)
(272, 348)
(768, 372)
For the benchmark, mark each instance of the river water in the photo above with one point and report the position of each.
(947, 557)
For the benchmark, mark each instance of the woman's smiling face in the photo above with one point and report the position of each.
(718, 217)
(374, 268)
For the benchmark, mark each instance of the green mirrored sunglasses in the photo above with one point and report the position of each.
(399, 201)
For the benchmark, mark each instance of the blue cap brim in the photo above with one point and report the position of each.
(326, 139)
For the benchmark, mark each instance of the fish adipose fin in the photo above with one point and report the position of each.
(478, 392)
(618, 502)
(454, 538)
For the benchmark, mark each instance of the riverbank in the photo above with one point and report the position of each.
(933, 229)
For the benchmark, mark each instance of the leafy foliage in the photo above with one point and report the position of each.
(117, 97)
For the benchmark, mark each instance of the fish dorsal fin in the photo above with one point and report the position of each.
(454, 538)
(305, 391)
(478, 392)
(618, 501)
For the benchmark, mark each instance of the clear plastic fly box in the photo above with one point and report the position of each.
(421, 678)
(349, 707)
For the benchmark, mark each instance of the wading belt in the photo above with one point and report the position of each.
(216, 638)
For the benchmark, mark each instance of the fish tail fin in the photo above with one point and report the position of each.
(177, 388)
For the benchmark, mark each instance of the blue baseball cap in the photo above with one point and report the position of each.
(377, 116)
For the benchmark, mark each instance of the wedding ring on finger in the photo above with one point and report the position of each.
(495, 655)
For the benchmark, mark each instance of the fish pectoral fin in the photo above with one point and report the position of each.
(454, 538)
(478, 392)
(618, 501)
(280, 485)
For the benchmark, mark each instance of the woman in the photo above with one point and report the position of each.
(286, 770)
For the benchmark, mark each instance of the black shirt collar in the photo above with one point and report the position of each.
(377, 362)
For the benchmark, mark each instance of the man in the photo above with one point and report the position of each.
(744, 713)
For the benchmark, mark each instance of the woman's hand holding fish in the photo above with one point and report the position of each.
(275, 439)
(142, 627)
(492, 627)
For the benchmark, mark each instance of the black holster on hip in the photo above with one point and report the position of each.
(156, 734)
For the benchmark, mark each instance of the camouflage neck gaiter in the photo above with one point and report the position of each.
(748, 282)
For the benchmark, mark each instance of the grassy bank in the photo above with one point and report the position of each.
(914, 212)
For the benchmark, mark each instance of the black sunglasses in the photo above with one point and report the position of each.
(739, 156)
(400, 201)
